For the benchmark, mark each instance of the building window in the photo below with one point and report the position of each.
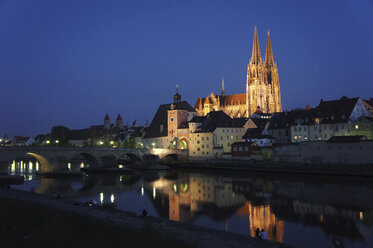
(304, 129)
(197, 141)
(295, 137)
(240, 148)
(246, 149)
(227, 137)
(207, 146)
(221, 137)
(231, 137)
(203, 146)
(203, 153)
(235, 149)
(198, 149)
(207, 138)
(207, 152)
(356, 126)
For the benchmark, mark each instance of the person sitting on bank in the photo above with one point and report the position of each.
(141, 213)
(257, 233)
(263, 235)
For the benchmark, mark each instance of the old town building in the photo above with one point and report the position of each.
(214, 134)
(169, 127)
(262, 88)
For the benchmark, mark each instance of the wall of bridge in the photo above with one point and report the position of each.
(69, 153)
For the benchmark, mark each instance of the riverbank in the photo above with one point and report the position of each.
(270, 167)
(33, 220)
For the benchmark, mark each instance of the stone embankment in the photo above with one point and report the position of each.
(186, 233)
(270, 167)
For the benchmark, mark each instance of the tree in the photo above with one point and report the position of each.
(59, 135)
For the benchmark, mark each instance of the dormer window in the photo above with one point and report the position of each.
(317, 121)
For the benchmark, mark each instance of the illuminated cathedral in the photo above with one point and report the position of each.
(262, 88)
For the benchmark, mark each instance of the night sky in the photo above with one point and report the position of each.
(70, 62)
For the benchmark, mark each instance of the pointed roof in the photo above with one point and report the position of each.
(269, 61)
(256, 58)
(119, 118)
(107, 118)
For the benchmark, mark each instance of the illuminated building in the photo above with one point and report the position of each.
(262, 88)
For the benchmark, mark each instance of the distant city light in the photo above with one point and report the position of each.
(112, 198)
(111, 142)
(142, 190)
(154, 193)
(57, 141)
(48, 141)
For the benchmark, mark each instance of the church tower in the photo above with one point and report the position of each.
(262, 85)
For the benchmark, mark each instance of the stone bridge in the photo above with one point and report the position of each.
(55, 158)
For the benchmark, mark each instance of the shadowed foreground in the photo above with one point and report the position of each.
(34, 220)
(25, 224)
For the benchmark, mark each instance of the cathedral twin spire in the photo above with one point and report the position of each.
(256, 58)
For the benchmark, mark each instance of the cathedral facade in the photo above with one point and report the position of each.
(262, 88)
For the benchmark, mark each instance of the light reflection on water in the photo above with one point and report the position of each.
(300, 211)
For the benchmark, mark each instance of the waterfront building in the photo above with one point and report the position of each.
(169, 128)
(362, 126)
(279, 126)
(333, 118)
(262, 88)
(299, 129)
(214, 134)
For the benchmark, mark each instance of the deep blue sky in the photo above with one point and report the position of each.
(70, 62)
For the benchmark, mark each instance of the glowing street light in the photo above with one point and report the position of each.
(48, 141)
(57, 141)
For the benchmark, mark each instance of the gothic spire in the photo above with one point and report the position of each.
(256, 58)
(269, 61)
(222, 88)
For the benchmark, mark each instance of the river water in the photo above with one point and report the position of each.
(304, 211)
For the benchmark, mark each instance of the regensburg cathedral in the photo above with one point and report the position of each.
(262, 88)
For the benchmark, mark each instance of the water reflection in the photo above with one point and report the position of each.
(321, 210)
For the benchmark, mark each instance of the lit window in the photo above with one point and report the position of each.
(356, 126)
(295, 137)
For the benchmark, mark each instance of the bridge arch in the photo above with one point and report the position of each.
(46, 167)
(133, 157)
(92, 160)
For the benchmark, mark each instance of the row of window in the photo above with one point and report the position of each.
(241, 148)
(299, 129)
(342, 126)
(232, 130)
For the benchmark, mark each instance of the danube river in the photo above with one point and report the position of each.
(304, 211)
